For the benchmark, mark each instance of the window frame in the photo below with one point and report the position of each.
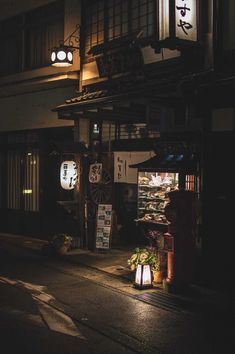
(224, 59)
(86, 48)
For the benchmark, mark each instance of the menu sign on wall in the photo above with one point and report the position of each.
(103, 226)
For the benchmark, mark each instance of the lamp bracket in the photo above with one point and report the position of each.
(73, 38)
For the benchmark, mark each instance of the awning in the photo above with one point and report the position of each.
(127, 100)
(169, 163)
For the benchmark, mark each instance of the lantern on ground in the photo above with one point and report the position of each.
(68, 174)
(143, 277)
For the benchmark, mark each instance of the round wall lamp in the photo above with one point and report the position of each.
(62, 56)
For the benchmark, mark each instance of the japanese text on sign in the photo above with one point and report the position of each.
(186, 19)
(95, 173)
(68, 174)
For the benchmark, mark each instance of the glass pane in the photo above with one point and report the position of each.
(135, 13)
(110, 33)
(117, 20)
(143, 10)
(142, 21)
(100, 37)
(228, 24)
(125, 28)
(134, 25)
(150, 30)
(117, 31)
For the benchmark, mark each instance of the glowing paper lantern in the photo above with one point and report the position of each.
(68, 174)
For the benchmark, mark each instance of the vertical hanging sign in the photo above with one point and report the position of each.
(186, 19)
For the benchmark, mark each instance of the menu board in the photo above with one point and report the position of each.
(103, 226)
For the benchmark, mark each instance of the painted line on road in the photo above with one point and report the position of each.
(58, 321)
(55, 320)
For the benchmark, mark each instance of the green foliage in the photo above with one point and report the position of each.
(144, 256)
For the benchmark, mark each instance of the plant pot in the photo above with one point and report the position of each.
(157, 277)
(62, 250)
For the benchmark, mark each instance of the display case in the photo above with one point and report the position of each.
(157, 177)
(153, 189)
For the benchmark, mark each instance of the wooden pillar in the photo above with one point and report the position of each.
(79, 193)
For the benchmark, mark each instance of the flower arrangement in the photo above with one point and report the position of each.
(144, 256)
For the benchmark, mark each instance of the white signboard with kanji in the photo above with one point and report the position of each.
(122, 159)
(103, 226)
(186, 19)
(68, 174)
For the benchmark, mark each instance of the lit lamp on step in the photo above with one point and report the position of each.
(143, 277)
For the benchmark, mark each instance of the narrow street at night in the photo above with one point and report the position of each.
(52, 306)
(117, 176)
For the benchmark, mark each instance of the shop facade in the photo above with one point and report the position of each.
(132, 107)
(156, 80)
(148, 78)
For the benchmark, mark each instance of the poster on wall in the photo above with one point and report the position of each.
(103, 226)
(122, 160)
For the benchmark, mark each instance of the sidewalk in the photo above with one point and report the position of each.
(114, 263)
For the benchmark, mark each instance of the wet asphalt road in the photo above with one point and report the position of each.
(46, 309)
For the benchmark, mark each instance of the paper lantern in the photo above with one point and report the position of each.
(68, 174)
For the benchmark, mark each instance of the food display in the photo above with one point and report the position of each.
(153, 189)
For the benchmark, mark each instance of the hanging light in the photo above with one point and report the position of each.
(143, 277)
(62, 56)
(68, 174)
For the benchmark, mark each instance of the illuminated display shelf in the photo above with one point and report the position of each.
(153, 196)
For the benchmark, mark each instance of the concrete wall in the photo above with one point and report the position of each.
(10, 8)
(32, 111)
(26, 99)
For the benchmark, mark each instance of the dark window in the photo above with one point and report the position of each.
(226, 35)
(43, 30)
(27, 38)
(23, 180)
(112, 19)
(228, 25)
(11, 46)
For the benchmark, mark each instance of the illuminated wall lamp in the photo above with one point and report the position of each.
(62, 56)
(143, 277)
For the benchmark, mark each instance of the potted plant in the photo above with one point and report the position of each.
(61, 243)
(143, 256)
